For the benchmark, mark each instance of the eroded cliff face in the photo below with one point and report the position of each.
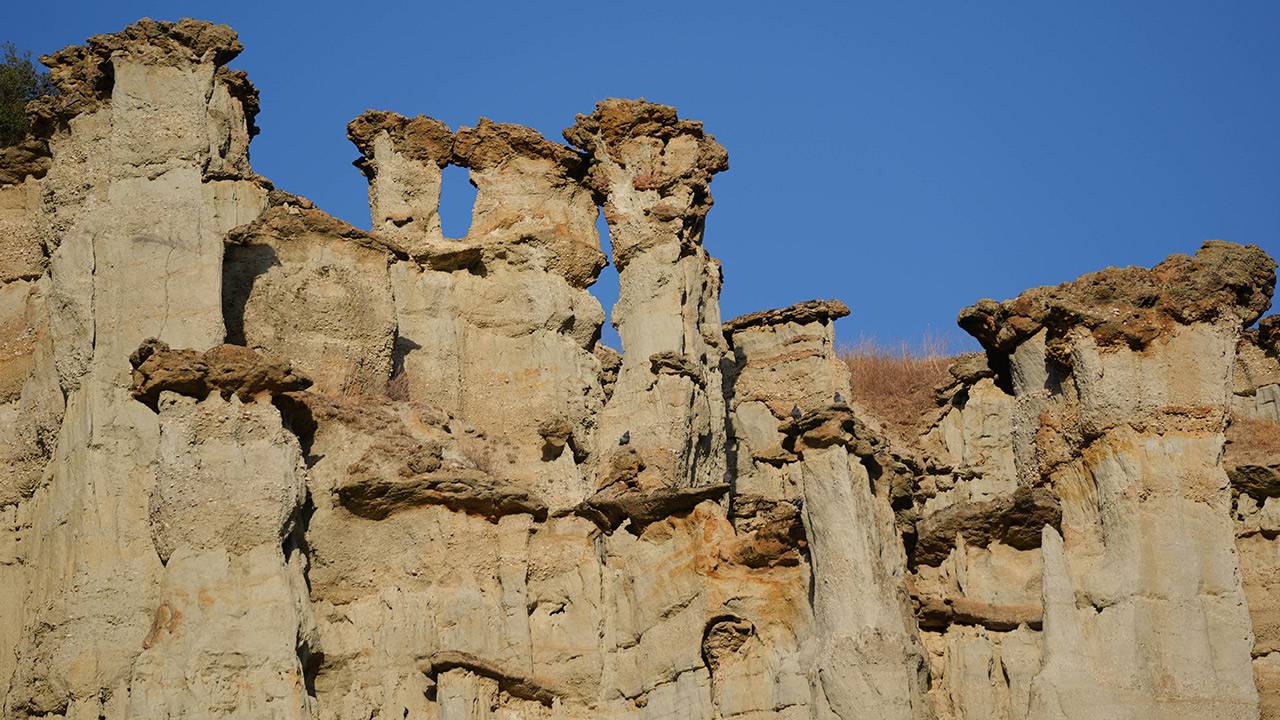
(1252, 461)
(260, 463)
(1094, 570)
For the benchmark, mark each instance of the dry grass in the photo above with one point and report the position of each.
(896, 384)
(398, 386)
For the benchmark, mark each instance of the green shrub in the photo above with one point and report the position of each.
(21, 81)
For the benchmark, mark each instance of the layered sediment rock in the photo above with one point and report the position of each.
(261, 463)
(1116, 390)
(797, 442)
(652, 170)
(500, 319)
(147, 141)
(1252, 461)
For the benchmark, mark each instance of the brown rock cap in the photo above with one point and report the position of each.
(803, 313)
(617, 122)
(1016, 520)
(82, 76)
(427, 140)
(1134, 305)
(421, 138)
(490, 144)
(227, 369)
(82, 73)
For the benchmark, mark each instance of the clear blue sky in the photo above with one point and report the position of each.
(908, 158)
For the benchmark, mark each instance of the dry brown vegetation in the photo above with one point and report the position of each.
(398, 386)
(896, 384)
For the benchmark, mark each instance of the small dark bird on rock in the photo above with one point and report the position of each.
(795, 412)
(839, 399)
(626, 438)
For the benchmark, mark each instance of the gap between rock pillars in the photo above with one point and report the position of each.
(606, 287)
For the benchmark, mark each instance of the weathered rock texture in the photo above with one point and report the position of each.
(1252, 461)
(259, 463)
(1107, 397)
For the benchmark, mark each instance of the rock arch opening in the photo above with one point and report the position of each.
(457, 201)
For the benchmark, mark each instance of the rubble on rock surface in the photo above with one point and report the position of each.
(264, 464)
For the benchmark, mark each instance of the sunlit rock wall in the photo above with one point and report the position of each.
(259, 463)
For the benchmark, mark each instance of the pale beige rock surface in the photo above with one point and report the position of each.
(1252, 460)
(259, 463)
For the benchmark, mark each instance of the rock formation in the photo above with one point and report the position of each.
(260, 463)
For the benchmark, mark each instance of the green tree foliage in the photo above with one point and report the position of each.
(20, 82)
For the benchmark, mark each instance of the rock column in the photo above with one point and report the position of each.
(652, 171)
(1123, 382)
(148, 139)
(801, 444)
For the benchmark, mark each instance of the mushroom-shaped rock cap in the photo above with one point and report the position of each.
(489, 144)
(82, 73)
(427, 140)
(155, 42)
(803, 313)
(617, 121)
(421, 138)
(1134, 305)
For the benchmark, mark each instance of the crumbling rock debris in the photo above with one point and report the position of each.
(514, 685)
(392, 484)
(936, 613)
(673, 363)
(822, 428)
(610, 361)
(1259, 481)
(615, 504)
(965, 371)
(238, 86)
(839, 424)
(227, 369)
(29, 158)
(1268, 334)
(970, 368)
(771, 532)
